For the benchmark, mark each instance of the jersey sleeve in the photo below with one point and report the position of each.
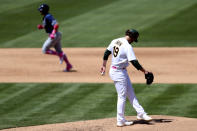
(51, 20)
(130, 53)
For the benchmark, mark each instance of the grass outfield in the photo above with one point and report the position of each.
(94, 23)
(35, 104)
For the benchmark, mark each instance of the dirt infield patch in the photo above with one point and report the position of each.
(159, 123)
(169, 65)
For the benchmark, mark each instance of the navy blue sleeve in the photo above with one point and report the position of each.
(50, 19)
(49, 23)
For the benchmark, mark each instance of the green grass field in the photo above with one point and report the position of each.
(35, 104)
(94, 23)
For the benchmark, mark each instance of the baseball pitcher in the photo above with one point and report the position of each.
(122, 53)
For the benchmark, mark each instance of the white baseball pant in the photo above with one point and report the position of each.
(53, 43)
(124, 89)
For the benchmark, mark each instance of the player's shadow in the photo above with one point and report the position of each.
(152, 122)
(72, 70)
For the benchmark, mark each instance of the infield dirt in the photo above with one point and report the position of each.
(169, 65)
(159, 123)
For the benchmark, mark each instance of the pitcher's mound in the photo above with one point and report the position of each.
(159, 123)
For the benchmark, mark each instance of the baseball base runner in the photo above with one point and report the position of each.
(54, 36)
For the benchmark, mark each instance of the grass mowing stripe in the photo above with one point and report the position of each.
(19, 110)
(106, 22)
(77, 110)
(112, 23)
(93, 101)
(165, 99)
(141, 88)
(41, 95)
(19, 99)
(32, 105)
(8, 5)
(3, 89)
(191, 110)
(103, 109)
(182, 102)
(18, 91)
(16, 94)
(160, 32)
(187, 103)
(27, 17)
(49, 102)
(65, 102)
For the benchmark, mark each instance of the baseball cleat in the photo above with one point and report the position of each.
(144, 117)
(68, 68)
(126, 123)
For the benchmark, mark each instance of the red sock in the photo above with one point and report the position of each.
(60, 54)
(51, 52)
(66, 59)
